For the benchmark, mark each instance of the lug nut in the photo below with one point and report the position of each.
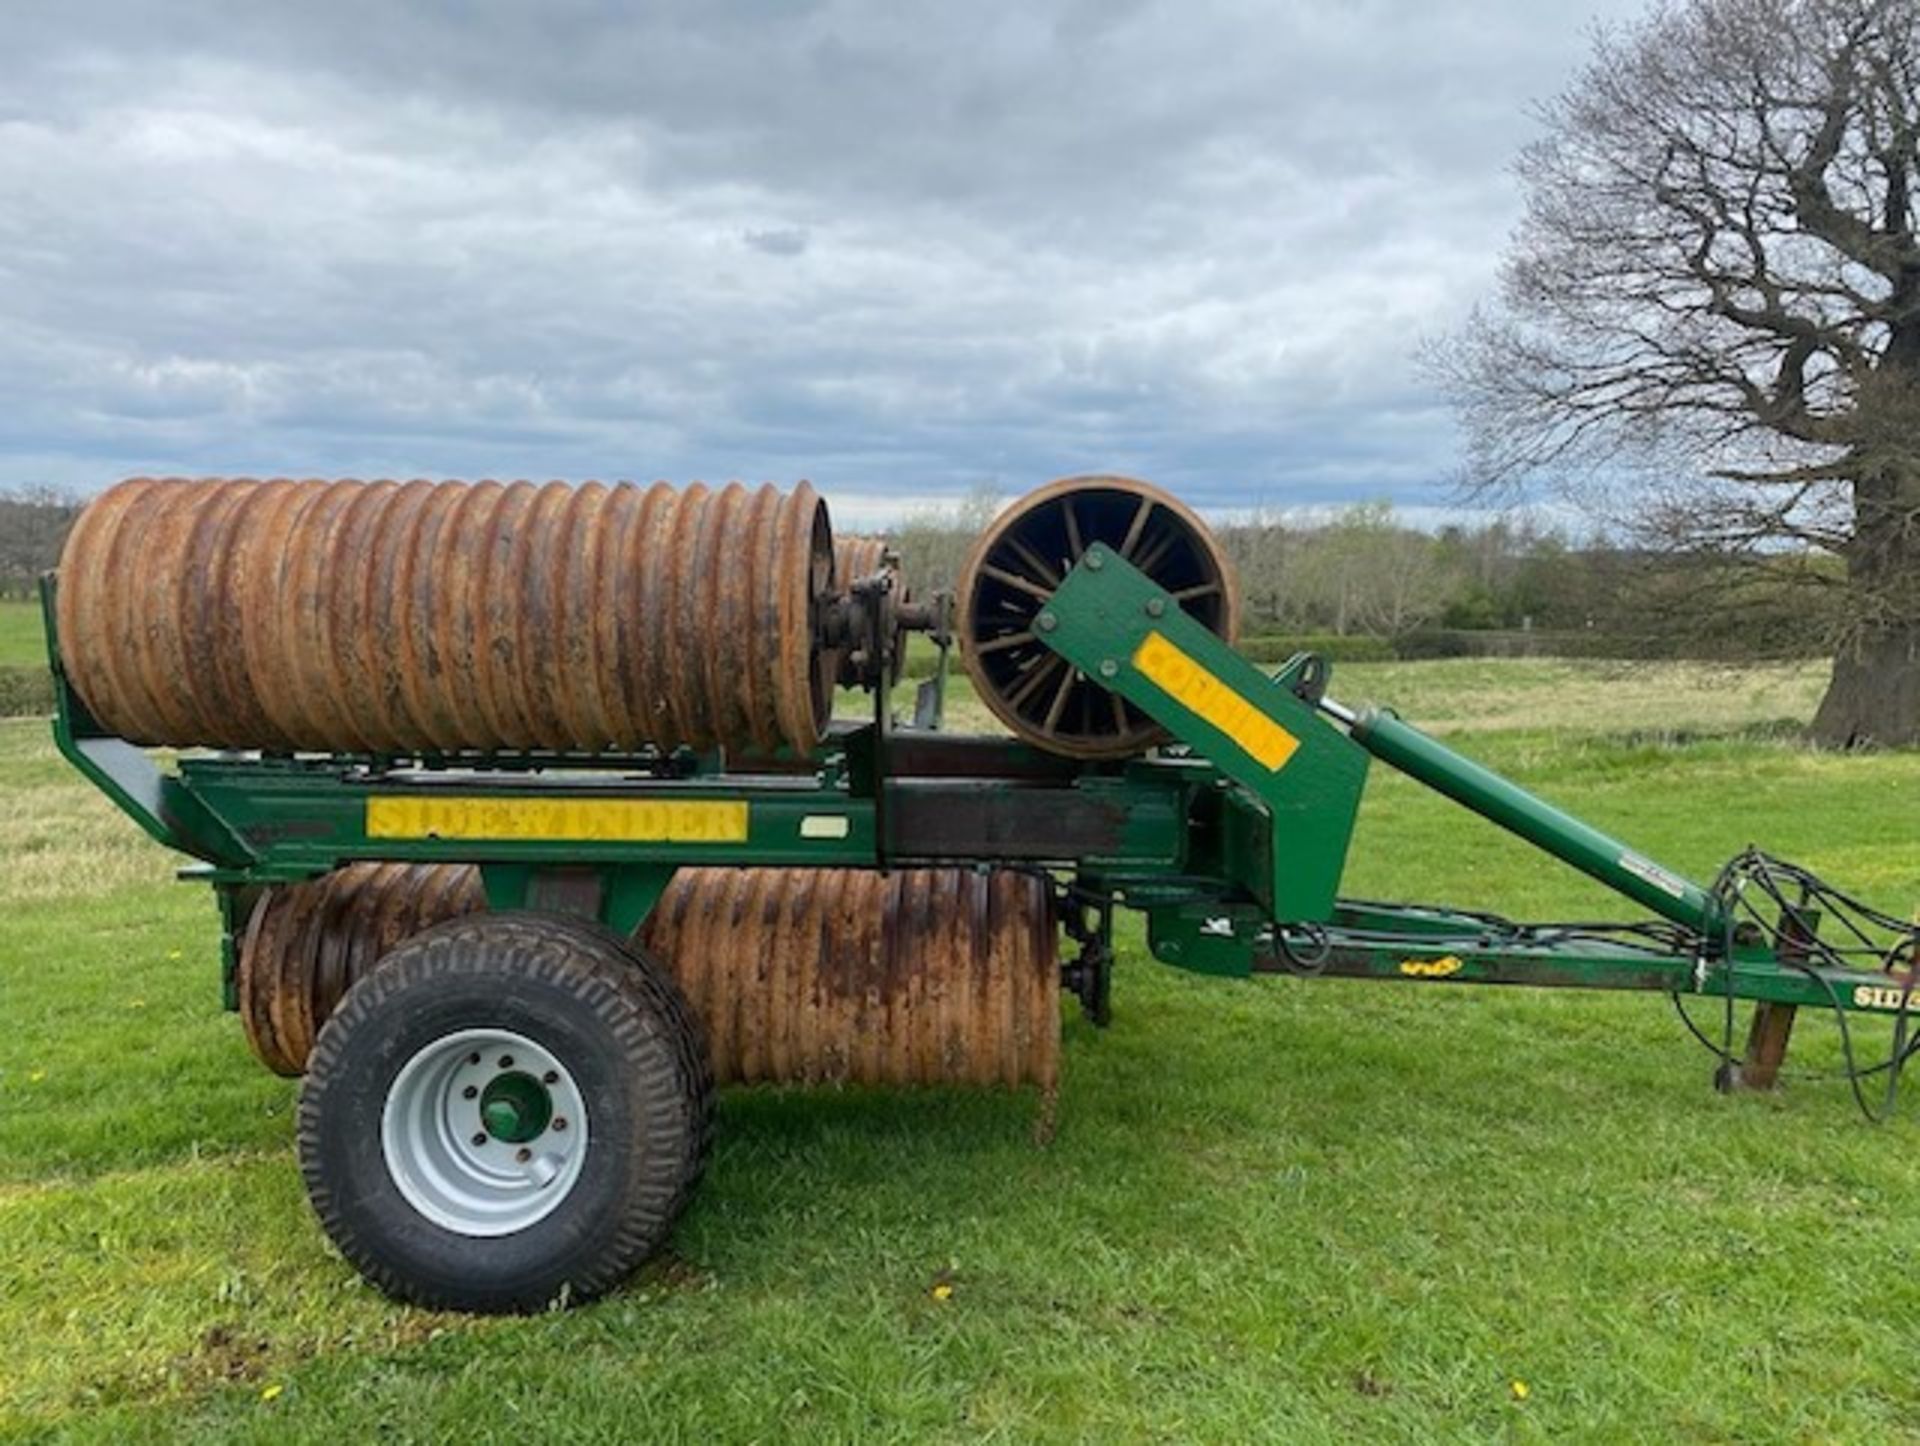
(552, 1076)
(559, 1122)
(469, 1092)
(523, 1154)
(506, 1061)
(481, 1138)
(474, 1058)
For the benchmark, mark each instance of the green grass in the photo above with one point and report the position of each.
(1278, 1209)
(22, 640)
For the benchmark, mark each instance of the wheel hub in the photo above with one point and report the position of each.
(484, 1132)
(516, 1108)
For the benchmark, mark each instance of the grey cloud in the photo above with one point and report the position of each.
(896, 248)
(790, 241)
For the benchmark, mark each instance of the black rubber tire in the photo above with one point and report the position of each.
(617, 1020)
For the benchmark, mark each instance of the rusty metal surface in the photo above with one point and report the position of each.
(1019, 560)
(306, 944)
(917, 977)
(921, 976)
(390, 617)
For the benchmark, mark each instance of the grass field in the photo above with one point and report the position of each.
(22, 640)
(1278, 1209)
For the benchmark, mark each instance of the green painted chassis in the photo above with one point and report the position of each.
(1226, 855)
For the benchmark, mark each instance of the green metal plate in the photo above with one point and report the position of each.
(1110, 621)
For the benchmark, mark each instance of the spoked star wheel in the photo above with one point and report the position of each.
(1011, 575)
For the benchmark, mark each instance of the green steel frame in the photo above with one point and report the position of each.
(1232, 840)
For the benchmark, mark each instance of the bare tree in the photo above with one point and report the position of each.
(933, 541)
(1717, 283)
(1261, 545)
(1362, 572)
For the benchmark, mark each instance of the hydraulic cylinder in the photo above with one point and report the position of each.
(1399, 744)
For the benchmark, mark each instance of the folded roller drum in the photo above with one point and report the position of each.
(920, 976)
(1022, 557)
(857, 557)
(443, 616)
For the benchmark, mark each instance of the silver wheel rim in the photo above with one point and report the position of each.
(464, 1137)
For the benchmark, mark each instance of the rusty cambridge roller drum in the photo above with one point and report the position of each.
(376, 617)
(529, 827)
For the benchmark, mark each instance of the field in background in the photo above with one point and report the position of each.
(1278, 1208)
(22, 640)
(1568, 699)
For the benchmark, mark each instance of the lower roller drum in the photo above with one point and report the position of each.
(916, 977)
(306, 944)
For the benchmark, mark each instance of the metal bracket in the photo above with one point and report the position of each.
(1089, 976)
(1113, 623)
(1305, 676)
(158, 802)
(1771, 1029)
(621, 896)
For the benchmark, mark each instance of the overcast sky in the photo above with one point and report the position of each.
(898, 249)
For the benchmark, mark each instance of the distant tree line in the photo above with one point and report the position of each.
(33, 524)
(1498, 586)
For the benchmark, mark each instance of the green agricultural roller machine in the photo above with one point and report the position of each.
(529, 825)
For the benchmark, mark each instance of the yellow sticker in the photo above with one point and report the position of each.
(1162, 663)
(1430, 968)
(594, 820)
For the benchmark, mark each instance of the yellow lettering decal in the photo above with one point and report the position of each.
(1430, 968)
(1162, 663)
(592, 820)
(1880, 996)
